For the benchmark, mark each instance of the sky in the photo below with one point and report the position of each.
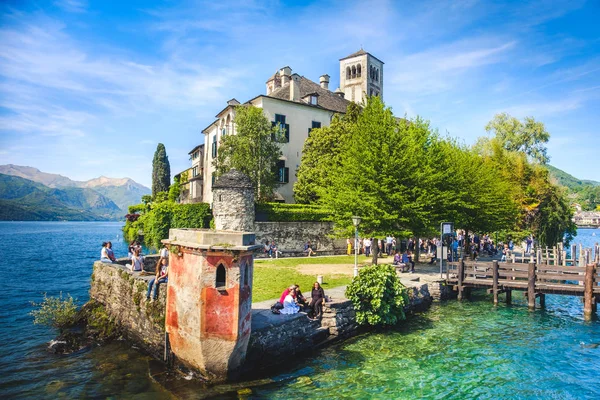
(89, 88)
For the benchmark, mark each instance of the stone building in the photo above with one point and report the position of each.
(297, 105)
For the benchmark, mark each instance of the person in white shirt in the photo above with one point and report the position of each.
(289, 304)
(104, 257)
(137, 261)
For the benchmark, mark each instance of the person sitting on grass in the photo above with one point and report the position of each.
(317, 297)
(162, 276)
(289, 303)
(308, 249)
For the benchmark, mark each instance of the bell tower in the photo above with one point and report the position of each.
(361, 74)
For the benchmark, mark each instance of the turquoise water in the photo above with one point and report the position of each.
(455, 350)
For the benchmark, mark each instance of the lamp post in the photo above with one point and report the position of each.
(356, 221)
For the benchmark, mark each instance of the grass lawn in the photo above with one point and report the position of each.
(270, 281)
(272, 276)
(294, 262)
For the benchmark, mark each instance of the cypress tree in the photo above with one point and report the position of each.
(161, 170)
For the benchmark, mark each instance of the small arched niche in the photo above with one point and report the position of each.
(221, 277)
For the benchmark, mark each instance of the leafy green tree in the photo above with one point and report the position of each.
(321, 153)
(251, 150)
(528, 136)
(378, 296)
(161, 170)
(175, 190)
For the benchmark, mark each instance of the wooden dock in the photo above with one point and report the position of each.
(536, 280)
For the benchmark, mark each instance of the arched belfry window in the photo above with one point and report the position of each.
(348, 73)
(221, 277)
(354, 71)
(358, 70)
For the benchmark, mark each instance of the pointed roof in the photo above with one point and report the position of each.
(361, 52)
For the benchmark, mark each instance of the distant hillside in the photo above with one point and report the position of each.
(24, 200)
(122, 191)
(567, 180)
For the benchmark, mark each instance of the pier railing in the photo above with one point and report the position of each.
(536, 280)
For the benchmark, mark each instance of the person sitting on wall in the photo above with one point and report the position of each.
(275, 308)
(110, 252)
(273, 250)
(289, 303)
(308, 249)
(162, 276)
(317, 297)
(137, 261)
(300, 299)
(104, 257)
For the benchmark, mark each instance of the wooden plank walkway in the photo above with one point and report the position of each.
(535, 280)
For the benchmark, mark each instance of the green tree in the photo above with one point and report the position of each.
(528, 136)
(161, 170)
(175, 190)
(251, 151)
(321, 153)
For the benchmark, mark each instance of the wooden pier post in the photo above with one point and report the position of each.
(531, 286)
(539, 257)
(461, 277)
(508, 296)
(573, 255)
(542, 300)
(564, 258)
(495, 274)
(589, 303)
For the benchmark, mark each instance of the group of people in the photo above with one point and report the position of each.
(404, 260)
(292, 301)
(107, 255)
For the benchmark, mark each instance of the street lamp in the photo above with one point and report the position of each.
(356, 221)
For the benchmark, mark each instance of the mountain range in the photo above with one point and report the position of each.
(27, 193)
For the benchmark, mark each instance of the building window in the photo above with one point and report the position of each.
(348, 73)
(283, 133)
(224, 132)
(358, 68)
(313, 100)
(214, 147)
(221, 277)
(212, 179)
(315, 124)
(353, 71)
(283, 173)
(194, 172)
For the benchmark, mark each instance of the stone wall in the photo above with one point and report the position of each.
(123, 294)
(291, 236)
(272, 338)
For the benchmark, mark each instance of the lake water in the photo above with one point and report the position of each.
(455, 350)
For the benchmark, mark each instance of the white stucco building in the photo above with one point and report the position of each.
(298, 105)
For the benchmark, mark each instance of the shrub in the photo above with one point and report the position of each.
(160, 217)
(57, 312)
(284, 212)
(378, 296)
(137, 208)
(132, 217)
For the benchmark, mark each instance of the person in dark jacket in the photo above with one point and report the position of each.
(317, 297)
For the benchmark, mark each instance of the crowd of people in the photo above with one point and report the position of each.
(292, 301)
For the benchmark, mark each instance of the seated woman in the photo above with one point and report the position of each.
(317, 297)
(162, 276)
(308, 249)
(137, 261)
(289, 304)
(397, 258)
(300, 299)
(104, 257)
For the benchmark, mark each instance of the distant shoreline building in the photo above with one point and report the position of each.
(298, 105)
(587, 218)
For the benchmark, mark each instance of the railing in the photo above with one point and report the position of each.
(535, 280)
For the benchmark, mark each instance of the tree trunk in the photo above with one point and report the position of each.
(375, 251)
(417, 250)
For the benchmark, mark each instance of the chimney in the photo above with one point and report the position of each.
(285, 73)
(324, 81)
(295, 87)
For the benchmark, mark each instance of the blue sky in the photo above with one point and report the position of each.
(89, 88)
